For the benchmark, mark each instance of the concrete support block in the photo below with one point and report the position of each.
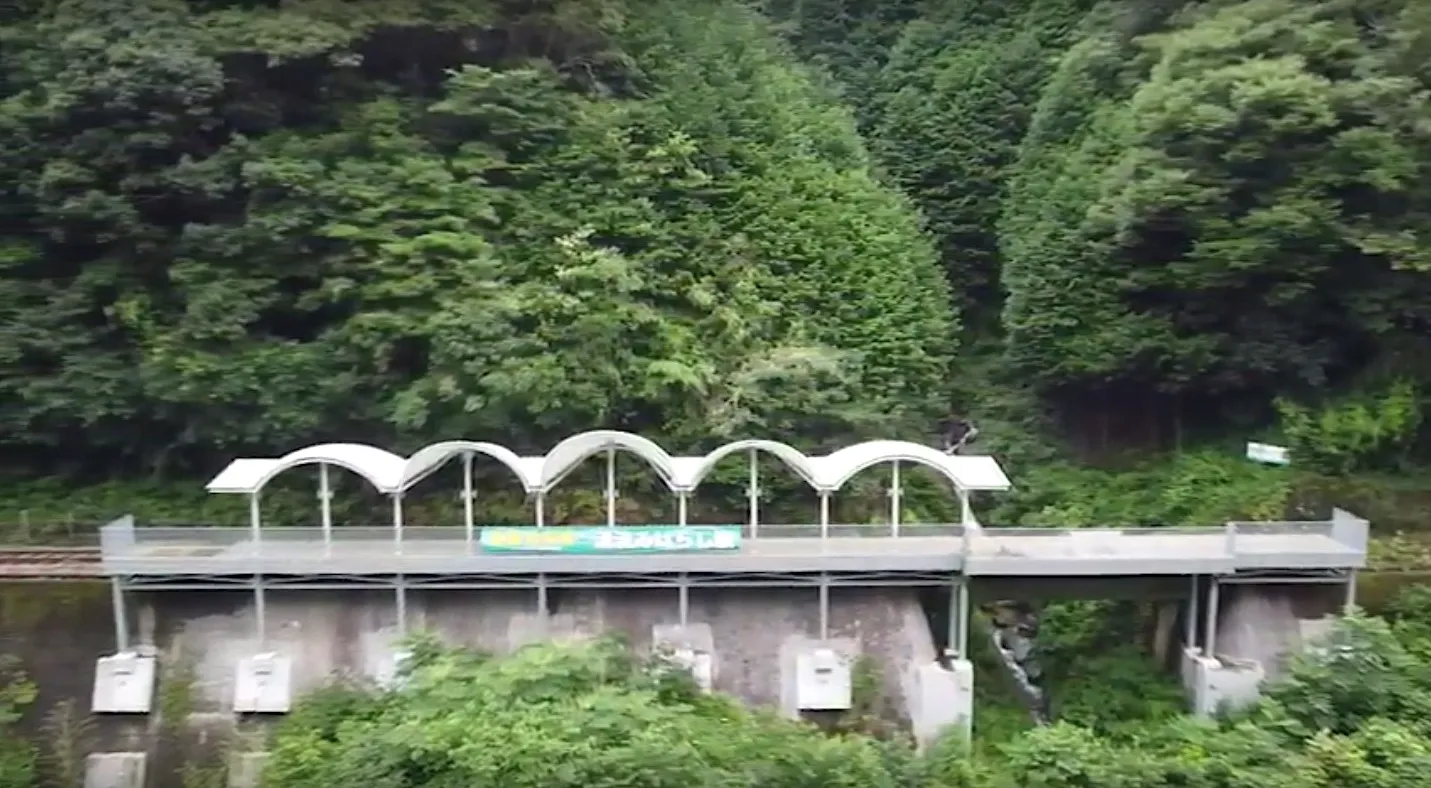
(1313, 631)
(115, 770)
(527, 628)
(263, 684)
(383, 656)
(1217, 683)
(821, 666)
(941, 702)
(124, 684)
(246, 769)
(691, 646)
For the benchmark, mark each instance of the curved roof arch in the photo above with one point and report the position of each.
(838, 468)
(793, 458)
(565, 456)
(429, 459)
(392, 474)
(381, 468)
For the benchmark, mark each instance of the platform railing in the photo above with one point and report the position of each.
(124, 537)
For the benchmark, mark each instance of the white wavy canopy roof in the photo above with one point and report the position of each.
(393, 474)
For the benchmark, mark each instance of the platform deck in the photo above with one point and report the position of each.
(130, 550)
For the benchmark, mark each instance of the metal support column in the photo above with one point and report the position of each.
(966, 510)
(1349, 604)
(752, 492)
(260, 611)
(255, 522)
(824, 514)
(1190, 624)
(610, 487)
(683, 587)
(469, 526)
(541, 509)
(542, 604)
(400, 599)
(260, 603)
(325, 506)
(397, 523)
(959, 620)
(824, 606)
(1209, 635)
(121, 615)
(895, 502)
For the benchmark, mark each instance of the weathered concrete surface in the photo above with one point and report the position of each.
(749, 627)
(59, 631)
(1268, 623)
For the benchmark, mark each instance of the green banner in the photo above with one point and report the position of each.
(621, 539)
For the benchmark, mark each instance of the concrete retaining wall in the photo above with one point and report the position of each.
(59, 631)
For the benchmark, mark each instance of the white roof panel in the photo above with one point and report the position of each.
(241, 476)
(430, 458)
(390, 473)
(979, 472)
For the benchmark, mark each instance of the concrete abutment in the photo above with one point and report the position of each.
(1258, 629)
(757, 644)
(750, 641)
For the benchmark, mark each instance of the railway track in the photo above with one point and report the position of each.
(49, 563)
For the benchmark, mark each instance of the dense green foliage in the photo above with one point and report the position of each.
(19, 759)
(1164, 216)
(1353, 714)
(1123, 236)
(237, 229)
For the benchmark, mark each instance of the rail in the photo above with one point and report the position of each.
(50, 563)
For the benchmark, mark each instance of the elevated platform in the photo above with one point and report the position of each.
(133, 551)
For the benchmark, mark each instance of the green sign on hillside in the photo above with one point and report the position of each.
(621, 539)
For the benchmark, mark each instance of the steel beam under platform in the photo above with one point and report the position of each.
(551, 580)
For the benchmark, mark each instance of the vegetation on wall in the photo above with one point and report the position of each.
(1350, 715)
(19, 759)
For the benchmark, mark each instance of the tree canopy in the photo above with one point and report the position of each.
(234, 229)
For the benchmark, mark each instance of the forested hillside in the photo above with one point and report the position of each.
(239, 229)
(1121, 237)
(1169, 227)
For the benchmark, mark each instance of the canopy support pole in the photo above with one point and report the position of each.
(824, 514)
(752, 492)
(397, 523)
(895, 499)
(255, 521)
(467, 501)
(325, 506)
(610, 487)
(966, 511)
(541, 513)
(683, 587)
